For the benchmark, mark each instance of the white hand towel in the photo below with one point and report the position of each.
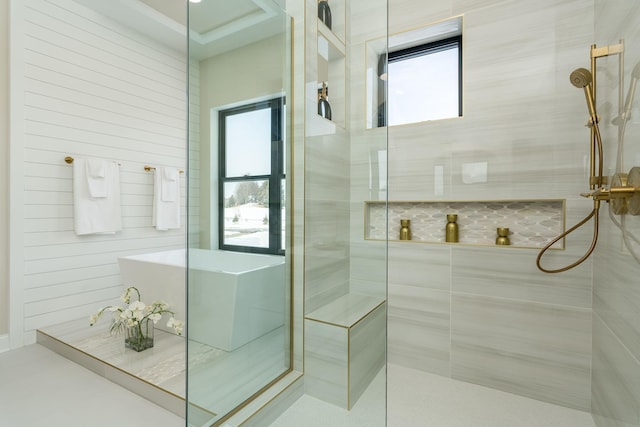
(166, 214)
(170, 184)
(96, 214)
(96, 170)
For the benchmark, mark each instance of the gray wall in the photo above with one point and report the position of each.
(484, 314)
(616, 298)
(4, 166)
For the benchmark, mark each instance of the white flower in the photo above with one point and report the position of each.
(136, 313)
(176, 325)
(137, 306)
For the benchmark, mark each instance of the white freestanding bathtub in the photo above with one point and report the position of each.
(234, 297)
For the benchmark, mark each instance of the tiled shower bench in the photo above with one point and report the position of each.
(344, 348)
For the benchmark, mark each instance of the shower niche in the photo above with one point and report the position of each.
(330, 68)
(331, 77)
(532, 223)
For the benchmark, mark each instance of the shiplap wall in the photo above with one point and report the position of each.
(195, 170)
(91, 88)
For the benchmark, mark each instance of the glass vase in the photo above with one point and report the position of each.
(140, 336)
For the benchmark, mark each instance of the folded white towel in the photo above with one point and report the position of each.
(166, 213)
(96, 170)
(96, 214)
(170, 184)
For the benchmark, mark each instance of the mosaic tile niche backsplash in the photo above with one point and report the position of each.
(532, 223)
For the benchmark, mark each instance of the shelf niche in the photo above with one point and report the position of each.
(331, 70)
(338, 20)
(532, 223)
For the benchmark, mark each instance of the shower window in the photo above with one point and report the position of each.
(251, 172)
(424, 82)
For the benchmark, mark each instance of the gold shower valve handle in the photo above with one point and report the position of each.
(626, 197)
(607, 194)
(619, 206)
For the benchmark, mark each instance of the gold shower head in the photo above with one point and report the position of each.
(581, 78)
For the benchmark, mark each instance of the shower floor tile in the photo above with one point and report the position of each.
(420, 399)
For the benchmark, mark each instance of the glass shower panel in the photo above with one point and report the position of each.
(238, 276)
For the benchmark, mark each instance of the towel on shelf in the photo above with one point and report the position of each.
(96, 171)
(100, 213)
(166, 199)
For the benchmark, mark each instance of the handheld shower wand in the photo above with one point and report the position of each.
(582, 78)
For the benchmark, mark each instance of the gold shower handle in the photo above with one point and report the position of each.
(626, 196)
(607, 194)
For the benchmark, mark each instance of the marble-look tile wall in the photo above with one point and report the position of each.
(482, 314)
(326, 180)
(368, 266)
(615, 393)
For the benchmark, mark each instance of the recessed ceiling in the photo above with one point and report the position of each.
(215, 26)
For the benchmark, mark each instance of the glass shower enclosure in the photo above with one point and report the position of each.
(285, 282)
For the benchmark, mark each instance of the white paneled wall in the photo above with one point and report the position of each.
(195, 153)
(91, 88)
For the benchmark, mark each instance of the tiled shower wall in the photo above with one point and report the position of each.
(483, 314)
(616, 299)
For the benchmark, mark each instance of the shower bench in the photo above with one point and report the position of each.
(344, 348)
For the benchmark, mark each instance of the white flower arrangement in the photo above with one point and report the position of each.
(136, 313)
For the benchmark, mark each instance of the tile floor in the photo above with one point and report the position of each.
(39, 387)
(419, 399)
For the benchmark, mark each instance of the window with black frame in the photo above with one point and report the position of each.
(252, 177)
(424, 82)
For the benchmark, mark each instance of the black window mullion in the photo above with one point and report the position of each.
(274, 182)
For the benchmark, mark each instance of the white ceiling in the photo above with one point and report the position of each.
(216, 26)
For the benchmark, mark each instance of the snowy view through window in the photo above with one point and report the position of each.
(248, 169)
